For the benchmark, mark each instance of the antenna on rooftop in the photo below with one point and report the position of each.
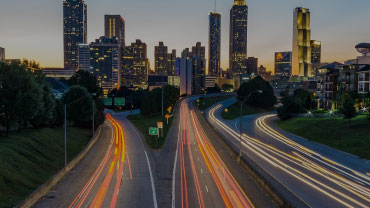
(215, 5)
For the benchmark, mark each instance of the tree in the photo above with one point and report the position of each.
(47, 114)
(20, 95)
(79, 106)
(346, 106)
(227, 87)
(86, 80)
(149, 105)
(266, 99)
(305, 97)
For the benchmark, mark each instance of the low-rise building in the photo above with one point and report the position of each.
(364, 79)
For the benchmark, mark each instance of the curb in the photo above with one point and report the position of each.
(35, 196)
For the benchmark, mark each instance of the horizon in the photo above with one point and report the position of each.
(337, 32)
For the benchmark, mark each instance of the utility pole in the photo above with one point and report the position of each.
(65, 134)
(162, 96)
(240, 130)
(93, 118)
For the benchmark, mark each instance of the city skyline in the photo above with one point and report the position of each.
(266, 34)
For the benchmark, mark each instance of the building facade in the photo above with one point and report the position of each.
(74, 31)
(84, 57)
(364, 79)
(214, 66)
(192, 71)
(315, 52)
(301, 53)
(105, 64)
(114, 26)
(283, 63)
(135, 65)
(2, 54)
(238, 38)
(252, 65)
(165, 63)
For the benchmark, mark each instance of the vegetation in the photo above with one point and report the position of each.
(233, 112)
(346, 106)
(227, 88)
(208, 102)
(300, 102)
(29, 158)
(266, 99)
(352, 137)
(143, 124)
(151, 101)
(25, 99)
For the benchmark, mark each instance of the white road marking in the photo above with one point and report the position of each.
(206, 188)
(151, 180)
(174, 167)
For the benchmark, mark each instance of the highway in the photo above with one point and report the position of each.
(315, 179)
(115, 173)
(201, 179)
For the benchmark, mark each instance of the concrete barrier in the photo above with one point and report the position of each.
(35, 196)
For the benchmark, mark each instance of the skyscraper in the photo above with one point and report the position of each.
(214, 44)
(84, 57)
(74, 30)
(2, 54)
(238, 37)
(301, 54)
(161, 59)
(283, 63)
(199, 51)
(135, 65)
(252, 65)
(104, 63)
(115, 27)
(315, 52)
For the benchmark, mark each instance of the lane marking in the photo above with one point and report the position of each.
(129, 166)
(152, 181)
(174, 167)
(206, 188)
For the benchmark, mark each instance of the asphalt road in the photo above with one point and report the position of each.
(201, 177)
(318, 175)
(115, 173)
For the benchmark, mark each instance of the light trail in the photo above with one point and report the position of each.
(260, 149)
(115, 157)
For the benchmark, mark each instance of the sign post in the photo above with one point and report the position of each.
(153, 131)
(160, 126)
(167, 117)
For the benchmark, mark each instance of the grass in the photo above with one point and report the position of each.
(208, 102)
(29, 158)
(349, 136)
(234, 111)
(143, 124)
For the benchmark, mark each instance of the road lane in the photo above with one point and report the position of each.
(202, 180)
(310, 176)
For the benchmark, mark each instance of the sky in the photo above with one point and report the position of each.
(33, 29)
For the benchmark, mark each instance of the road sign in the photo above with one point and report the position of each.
(160, 125)
(119, 101)
(107, 101)
(169, 109)
(153, 131)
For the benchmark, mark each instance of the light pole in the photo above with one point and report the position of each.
(241, 119)
(65, 134)
(93, 114)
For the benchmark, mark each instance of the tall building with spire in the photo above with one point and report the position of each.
(301, 53)
(74, 30)
(115, 27)
(238, 37)
(214, 68)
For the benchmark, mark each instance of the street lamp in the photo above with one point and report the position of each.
(241, 118)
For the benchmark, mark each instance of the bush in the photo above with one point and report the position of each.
(346, 106)
(266, 99)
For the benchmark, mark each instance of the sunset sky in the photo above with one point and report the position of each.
(34, 29)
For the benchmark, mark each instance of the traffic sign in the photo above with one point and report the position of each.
(119, 101)
(169, 109)
(153, 131)
(160, 125)
(107, 101)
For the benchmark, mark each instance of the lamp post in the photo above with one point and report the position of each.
(93, 114)
(241, 119)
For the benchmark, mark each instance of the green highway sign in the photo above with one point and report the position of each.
(153, 131)
(107, 101)
(119, 101)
